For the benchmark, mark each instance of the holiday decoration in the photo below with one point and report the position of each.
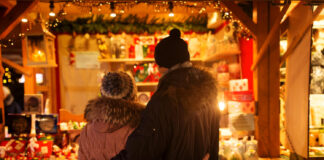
(40, 45)
(131, 24)
(147, 72)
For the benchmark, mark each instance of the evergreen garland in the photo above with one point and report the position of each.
(131, 24)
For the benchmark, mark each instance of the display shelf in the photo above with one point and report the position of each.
(143, 84)
(121, 60)
(316, 127)
(221, 55)
(132, 60)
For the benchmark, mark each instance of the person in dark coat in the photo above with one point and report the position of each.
(10, 105)
(181, 121)
(111, 118)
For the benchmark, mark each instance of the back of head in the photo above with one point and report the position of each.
(171, 50)
(118, 85)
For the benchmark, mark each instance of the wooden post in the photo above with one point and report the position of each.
(266, 84)
(1, 100)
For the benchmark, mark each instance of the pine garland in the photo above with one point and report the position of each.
(129, 24)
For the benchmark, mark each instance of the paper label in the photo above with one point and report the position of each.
(241, 122)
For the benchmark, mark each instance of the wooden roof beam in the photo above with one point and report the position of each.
(10, 20)
(284, 26)
(17, 67)
(5, 7)
(270, 36)
(241, 15)
(6, 4)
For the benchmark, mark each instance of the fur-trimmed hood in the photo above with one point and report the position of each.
(193, 87)
(116, 113)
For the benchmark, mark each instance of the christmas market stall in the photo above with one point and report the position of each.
(55, 53)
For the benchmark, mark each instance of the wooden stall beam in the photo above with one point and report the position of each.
(266, 79)
(6, 4)
(1, 101)
(284, 26)
(270, 36)
(24, 70)
(241, 15)
(10, 20)
(299, 37)
(5, 7)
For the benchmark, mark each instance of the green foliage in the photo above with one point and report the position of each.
(129, 24)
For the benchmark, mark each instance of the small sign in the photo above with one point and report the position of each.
(241, 122)
(87, 60)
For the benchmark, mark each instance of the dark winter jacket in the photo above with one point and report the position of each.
(180, 122)
(110, 122)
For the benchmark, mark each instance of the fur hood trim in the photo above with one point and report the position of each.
(192, 87)
(117, 113)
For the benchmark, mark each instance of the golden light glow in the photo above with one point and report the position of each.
(38, 56)
(221, 106)
(52, 14)
(171, 14)
(24, 20)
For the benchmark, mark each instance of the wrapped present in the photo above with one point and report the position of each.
(40, 149)
(241, 107)
(242, 96)
(12, 148)
(238, 85)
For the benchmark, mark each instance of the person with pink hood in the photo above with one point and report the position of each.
(111, 118)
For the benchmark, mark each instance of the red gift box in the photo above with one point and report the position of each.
(241, 107)
(42, 149)
(13, 147)
(238, 85)
(241, 96)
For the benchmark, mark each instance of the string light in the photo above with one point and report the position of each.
(24, 20)
(112, 8)
(52, 13)
(171, 14)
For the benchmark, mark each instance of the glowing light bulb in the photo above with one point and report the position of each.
(24, 20)
(113, 14)
(171, 14)
(221, 106)
(52, 14)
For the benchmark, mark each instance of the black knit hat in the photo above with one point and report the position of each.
(118, 85)
(171, 50)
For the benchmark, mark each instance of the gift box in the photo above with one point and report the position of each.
(242, 96)
(12, 148)
(241, 107)
(238, 85)
(40, 149)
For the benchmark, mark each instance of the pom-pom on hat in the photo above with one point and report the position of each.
(118, 85)
(171, 50)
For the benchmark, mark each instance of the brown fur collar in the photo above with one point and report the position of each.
(116, 112)
(192, 87)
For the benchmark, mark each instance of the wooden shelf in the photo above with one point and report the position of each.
(121, 60)
(144, 84)
(221, 55)
(130, 60)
